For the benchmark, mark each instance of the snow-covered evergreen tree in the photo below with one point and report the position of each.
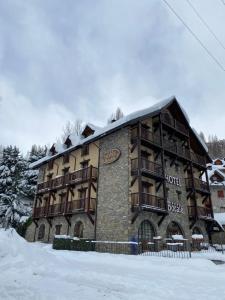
(29, 177)
(12, 166)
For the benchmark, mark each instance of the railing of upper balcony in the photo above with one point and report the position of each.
(198, 159)
(146, 134)
(74, 206)
(146, 200)
(198, 184)
(200, 212)
(176, 148)
(147, 165)
(175, 124)
(70, 178)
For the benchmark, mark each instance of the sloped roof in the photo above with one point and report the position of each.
(102, 131)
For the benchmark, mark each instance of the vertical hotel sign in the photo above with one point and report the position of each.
(111, 156)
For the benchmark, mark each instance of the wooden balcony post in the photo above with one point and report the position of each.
(210, 199)
(139, 165)
(162, 161)
(89, 189)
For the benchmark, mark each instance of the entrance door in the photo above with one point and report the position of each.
(146, 233)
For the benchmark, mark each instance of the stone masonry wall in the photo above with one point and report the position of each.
(113, 188)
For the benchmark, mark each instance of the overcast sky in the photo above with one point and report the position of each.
(62, 60)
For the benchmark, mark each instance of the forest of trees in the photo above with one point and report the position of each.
(215, 146)
(17, 184)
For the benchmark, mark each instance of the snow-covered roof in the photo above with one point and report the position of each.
(217, 169)
(102, 131)
(200, 140)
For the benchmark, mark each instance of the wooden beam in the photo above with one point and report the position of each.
(94, 187)
(133, 181)
(133, 146)
(161, 219)
(157, 155)
(158, 187)
(49, 221)
(173, 161)
(91, 219)
(35, 222)
(68, 219)
(135, 217)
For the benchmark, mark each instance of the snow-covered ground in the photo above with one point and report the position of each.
(35, 271)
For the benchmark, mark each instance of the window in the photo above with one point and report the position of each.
(173, 229)
(65, 171)
(85, 150)
(79, 229)
(82, 193)
(50, 164)
(58, 229)
(178, 195)
(49, 176)
(220, 194)
(66, 158)
(145, 187)
(84, 164)
(41, 232)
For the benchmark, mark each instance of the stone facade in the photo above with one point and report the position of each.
(113, 189)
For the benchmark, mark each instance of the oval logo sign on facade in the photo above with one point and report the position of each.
(111, 156)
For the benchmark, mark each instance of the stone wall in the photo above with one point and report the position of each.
(32, 230)
(113, 188)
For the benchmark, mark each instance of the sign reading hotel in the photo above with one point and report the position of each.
(173, 180)
(111, 156)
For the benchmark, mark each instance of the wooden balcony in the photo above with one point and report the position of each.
(204, 213)
(181, 128)
(198, 159)
(176, 149)
(56, 209)
(72, 207)
(148, 202)
(200, 212)
(40, 212)
(198, 184)
(76, 177)
(81, 205)
(146, 135)
(147, 167)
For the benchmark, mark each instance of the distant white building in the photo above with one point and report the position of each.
(216, 175)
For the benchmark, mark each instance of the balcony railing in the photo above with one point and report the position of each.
(147, 165)
(192, 212)
(147, 201)
(198, 159)
(198, 184)
(70, 178)
(56, 209)
(204, 212)
(81, 205)
(201, 212)
(175, 148)
(175, 124)
(147, 135)
(40, 212)
(75, 206)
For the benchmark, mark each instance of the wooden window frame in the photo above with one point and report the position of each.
(85, 150)
(58, 229)
(66, 158)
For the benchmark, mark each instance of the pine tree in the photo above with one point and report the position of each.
(29, 177)
(12, 166)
